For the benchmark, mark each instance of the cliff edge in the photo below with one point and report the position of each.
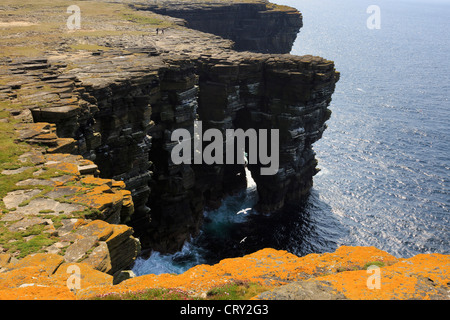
(86, 177)
(257, 25)
(114, 91)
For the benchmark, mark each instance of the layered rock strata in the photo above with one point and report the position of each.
(256, 26)
(108, 111)
(60, 206)
(118, 107)
(287, 93)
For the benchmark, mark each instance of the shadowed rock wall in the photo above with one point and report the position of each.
(119, 107)
(257, 27)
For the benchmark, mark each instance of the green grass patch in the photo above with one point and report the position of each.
(236, 290)
(239, 290)
(9, 149)
(46, 211)
(379, 264)
(149, 294)
(142, 19)
(16, 242)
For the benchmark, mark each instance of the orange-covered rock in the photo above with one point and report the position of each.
(22, 276)
(44, 261)
(101, 229)
(67, 167)
(88, 276)
(338, 275)
(268, 266)
(37, 293)
(343, 259)
(96, 181)
(35, 282)
(4, 259)
(104, 200)
(425, 276)
(435, 267)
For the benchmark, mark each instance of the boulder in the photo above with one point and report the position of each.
(47, 262)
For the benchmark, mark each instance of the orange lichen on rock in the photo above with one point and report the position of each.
(269, 267)
(101, 229)
(87, 275)
(69, 168)
(47, 262)
(37, 293)
(99, 198)
(421, 277)
(344, 258)
(35, 282)
(97, 181)
(435, 267)
(343, 274)
(4, 259)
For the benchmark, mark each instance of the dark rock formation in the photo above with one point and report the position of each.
(281, 92)
(118, 108)
(258, 26)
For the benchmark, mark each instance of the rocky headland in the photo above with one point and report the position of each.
(87, 114)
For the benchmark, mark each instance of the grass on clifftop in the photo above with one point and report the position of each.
(237, 290)
(9, 149)
(30, 28)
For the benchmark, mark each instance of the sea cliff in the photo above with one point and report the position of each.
(87, 179)
(257, 26)
(114, 92)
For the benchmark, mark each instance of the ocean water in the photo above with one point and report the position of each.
(385, 158)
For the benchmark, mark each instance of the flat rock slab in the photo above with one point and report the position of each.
(88, 169)
(12, 216)
(101, 229)
(79, 248)
(62, 192)
(303, 290)
(15, 171)
(35, 182)
(47, 262)
(48, 206)
(55, 113)
(28, 131)
(67, 226)
(56, 247)
(23, 224)
(34, 156)
(13, 199)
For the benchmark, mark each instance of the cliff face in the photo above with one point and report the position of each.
(117, 102)
(235, 91)
(281, 92)
(119, 105)
(86, 143)
(256, 26)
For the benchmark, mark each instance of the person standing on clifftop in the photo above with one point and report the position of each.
(157, 30)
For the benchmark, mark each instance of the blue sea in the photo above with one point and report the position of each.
(385, 157)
